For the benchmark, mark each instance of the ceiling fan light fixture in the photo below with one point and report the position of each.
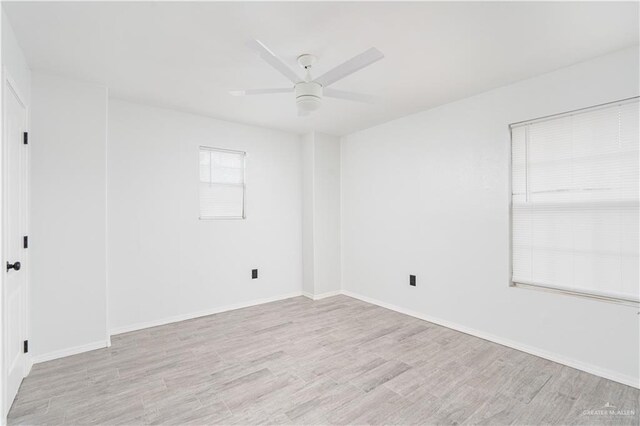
(308, 95)
(309, 91)
(308, 103)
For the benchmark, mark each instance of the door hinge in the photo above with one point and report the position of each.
(26, 346)
(25, 242)
(25, 138)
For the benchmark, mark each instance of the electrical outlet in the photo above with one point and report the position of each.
(254, 274)
(412, 280)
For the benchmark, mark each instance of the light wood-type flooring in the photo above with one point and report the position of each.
(297, 361)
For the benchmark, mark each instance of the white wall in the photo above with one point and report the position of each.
(68, 223)
(428, 194)
(321, 214)
(326, 220)
(165, 263)
(308, 254)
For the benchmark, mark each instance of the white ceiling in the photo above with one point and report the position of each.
(188, 55)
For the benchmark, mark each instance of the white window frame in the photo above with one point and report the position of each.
(244, 183)
(541, 287)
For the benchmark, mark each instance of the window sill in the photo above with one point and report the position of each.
(567, 292)
(223, 218)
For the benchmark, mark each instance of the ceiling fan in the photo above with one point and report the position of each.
(309, 91)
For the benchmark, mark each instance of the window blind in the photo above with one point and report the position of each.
(222, 185)
(575, 201)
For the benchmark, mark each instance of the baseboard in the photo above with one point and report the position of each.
(322, 295)
(327, 294)
(589, 368)
(119, 330)
(192, 315)
(28, 366)
(579, 365)
(70, 351)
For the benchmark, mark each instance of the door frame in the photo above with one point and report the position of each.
(8, 83)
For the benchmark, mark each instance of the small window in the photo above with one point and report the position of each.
(222, 186)
(575, 202)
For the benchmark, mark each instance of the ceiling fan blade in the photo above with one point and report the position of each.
(270, 57)
(259, 91)
(350, 96)
(352, 65)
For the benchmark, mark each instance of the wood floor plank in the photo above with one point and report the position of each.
(297, 361)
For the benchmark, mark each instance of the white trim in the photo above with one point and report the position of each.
(119, 330)
(29, 365)
(322, 295)
(107, 319)
(589, 368)
(327, 294)
(341, 143)
(217, 310)
(70, 351)
(592, 294)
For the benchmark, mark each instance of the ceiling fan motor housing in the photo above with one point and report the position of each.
(308, 95)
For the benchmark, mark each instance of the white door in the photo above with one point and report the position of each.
(15, 199)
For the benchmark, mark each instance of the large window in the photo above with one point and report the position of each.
(222, 186)
(575, 202)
